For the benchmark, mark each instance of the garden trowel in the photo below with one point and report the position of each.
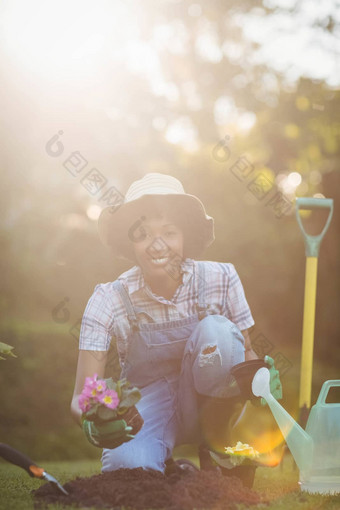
(19, 459)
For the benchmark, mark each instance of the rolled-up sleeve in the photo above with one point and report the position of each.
(237, 304)
(97, 323)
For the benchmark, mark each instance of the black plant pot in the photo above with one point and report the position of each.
(245, 473)
(244, 374)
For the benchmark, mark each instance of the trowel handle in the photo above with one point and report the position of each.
(312, 242)
(19, 459)
(325, 389)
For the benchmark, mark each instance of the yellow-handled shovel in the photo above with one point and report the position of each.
(312, 245)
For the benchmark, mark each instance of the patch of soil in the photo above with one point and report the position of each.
(139, 489)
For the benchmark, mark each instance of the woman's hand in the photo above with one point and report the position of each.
(109, 434)
(274, 383)
(248, 350)
(250, 354)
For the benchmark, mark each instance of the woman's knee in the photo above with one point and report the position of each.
(215, 333)
(114, 459)
(216, 346)
(131, 456)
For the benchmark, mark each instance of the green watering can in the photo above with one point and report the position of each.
(316, 450)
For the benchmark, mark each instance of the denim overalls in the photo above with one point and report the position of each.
(171, 362)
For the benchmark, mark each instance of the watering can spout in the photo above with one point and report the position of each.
(299, 442)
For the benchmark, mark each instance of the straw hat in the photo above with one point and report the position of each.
(156, 194)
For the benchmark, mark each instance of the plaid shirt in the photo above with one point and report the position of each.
(105, 315)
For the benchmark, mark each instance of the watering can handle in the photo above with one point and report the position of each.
(325, 389)
(312, 243)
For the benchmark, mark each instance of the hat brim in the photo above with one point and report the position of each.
(116, 225)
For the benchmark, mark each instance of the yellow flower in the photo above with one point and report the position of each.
(242, 449)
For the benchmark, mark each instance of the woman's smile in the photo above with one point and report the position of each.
(160, 261)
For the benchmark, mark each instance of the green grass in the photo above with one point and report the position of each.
(279, 485)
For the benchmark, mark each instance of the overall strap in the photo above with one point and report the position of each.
(131, 314)
(201, 305)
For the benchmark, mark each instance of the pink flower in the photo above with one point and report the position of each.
(90, 386)
(91, 381)
(84, 403)
(93, 388)
(95, 391)
(87, 392)
(109, 398)
(100, 386)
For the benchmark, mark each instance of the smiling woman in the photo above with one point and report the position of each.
(180, 325)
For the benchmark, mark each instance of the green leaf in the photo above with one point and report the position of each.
(128, 395)
(7, 350)
(105, 413)
(131, 398)
(121, 410)
(119, 389)
(90, 415)
(111, 384)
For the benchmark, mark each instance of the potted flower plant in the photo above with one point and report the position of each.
(105, 400)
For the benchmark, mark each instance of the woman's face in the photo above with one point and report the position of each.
(158, 242)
